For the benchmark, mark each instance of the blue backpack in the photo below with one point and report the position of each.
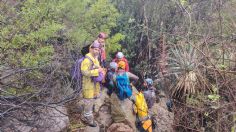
(123, 86)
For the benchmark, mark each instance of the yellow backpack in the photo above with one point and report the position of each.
(140, 105)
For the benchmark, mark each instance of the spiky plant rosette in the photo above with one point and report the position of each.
(184, 63)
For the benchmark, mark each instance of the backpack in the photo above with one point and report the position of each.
(140, 105)
(76, 75)
(75, 70)
(123, 86)
(109, 84)
(141, 110)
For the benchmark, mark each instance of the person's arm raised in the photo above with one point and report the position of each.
(132, 76)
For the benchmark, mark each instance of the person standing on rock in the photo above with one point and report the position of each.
(121, 58)
(102, 53)
(109, 77)
(90, 69)
(149, 92)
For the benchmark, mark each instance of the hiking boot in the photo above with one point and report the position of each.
(88, 121)
(92, 124)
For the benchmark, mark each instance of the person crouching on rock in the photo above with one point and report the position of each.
(143, 121)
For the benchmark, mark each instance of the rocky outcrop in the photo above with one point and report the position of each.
(107, 105)
(112, 107)
(125, 121)
(104, 116)
(119, 127)
(163, 116)
(53, 119)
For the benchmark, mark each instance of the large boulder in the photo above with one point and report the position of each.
(53, 119)
(120, 127)
(110, 110)
(104, 116)
(163, 116)
(122, 111)
(130, 116)
(101, 100)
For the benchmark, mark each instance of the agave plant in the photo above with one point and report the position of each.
(185, 62)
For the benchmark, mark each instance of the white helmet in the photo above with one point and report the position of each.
(149, 81)
(119, 55)
(113, 65)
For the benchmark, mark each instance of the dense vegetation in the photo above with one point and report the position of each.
(187, 46)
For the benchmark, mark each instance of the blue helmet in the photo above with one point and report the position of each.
(113, 65)
(149, 81)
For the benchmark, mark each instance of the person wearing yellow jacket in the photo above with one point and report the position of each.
(90, 67)
(143, 123)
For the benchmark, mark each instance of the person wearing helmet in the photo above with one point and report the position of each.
(150, 92)
(121, 93)
(140, 108)
(122, 80)
(101, 40)
(109, 77)
(120, 57)
(90, 68)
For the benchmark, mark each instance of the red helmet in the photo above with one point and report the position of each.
(102, 35)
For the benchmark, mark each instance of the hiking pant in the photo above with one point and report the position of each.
(88, 110)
